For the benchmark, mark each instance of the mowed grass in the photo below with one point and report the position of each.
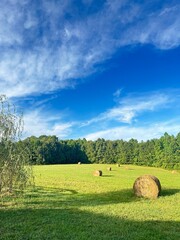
(68, 202)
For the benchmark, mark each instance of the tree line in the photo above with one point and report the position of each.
(163, 152)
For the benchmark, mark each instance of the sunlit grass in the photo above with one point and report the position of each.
(68, 202)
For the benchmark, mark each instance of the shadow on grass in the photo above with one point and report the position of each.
(53, 213)
(55, 197)
(63, 197)
(169, 192)
(74, 224)
(107, 175)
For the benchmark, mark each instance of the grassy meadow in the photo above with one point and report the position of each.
(68, 202)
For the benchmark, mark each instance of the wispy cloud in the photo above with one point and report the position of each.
(38, 122)
(117, 93)
(125, 120)
(42, 49)
(144, 133)
(130, 107)
(162, 29)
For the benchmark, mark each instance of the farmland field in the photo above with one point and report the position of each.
(68, 202)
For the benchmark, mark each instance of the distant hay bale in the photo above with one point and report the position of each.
(79, 163)
(147, 186)
(97, 173)
(109, 169)
(128, 168)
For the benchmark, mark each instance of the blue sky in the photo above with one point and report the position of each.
(94, 69)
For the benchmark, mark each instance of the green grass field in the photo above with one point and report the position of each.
(68, 202)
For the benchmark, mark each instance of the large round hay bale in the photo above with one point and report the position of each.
(147, 186)
(97, 173)
(109, 168)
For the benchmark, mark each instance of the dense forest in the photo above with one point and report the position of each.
(163, 152)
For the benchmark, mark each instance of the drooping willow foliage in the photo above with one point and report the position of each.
(15, 171)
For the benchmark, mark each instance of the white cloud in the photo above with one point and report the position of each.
(131, 107)
(38, 122)
(117, 93)
(164, 32)
(140, 133)
(42, 51)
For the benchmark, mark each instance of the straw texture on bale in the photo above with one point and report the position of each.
(109, 169)
(147, 186)
(97, 173)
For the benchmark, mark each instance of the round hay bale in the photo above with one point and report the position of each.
(109, 169)
(79, 163)
(128, 168)
(147, 186)
(97, 173)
